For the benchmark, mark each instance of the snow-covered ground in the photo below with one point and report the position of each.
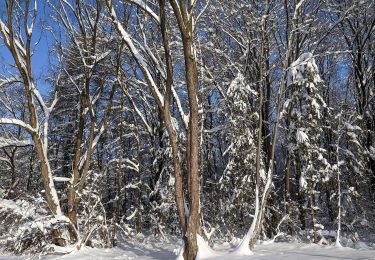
(307, 252)
(299, 251)
(154, 249)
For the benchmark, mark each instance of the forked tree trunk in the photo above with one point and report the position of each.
(72, 210)
(50, 191)
(185, 23)
(23, 64)
(179, 194)
(271, 168)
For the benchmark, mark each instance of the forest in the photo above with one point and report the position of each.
(202, 121)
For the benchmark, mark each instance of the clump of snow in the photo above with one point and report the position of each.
(20, 207)
(26, 226)
(299, 68)
(372, 152)
(204, 250)
(302, 136)
(180, 253)
(242, 250)
(239, 87)
(302, 181)
(361, 245)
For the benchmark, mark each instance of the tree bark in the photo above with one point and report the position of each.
(179, 195)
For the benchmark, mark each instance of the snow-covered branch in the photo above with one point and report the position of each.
(17, 122)
(143, 5)
(137, 56)
(4, 142)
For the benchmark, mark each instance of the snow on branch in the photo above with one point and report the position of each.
(12, 121)
(137, 56)
(202, 11)
(4, 142)
(298, 6)
(132, 215)
(61, 179)
(184, 117)
(305, 64)
(8, 81)
(94, 143)
(147, 9)
(6, 34)
(133, 165)
(301, 136)
(139, 113)
(45, 108)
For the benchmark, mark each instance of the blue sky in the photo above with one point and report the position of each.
(40, 59)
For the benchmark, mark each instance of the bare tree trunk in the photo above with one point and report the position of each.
(287, 177)
(72, 211)
(31, 171)
(179, 195)
(271, 167)
(313, 213)
(193, 144)
(288, 200)
(300, 196)
(185, 22)
(23, 64)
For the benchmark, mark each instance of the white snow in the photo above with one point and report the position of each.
(302, 136)
(204, 250)
(290, 251)
(4, 142)
(20, 207)
(297, 70)
(12, 121)
(147, 9)
(302, 181)
(154, 248)
(61, 179)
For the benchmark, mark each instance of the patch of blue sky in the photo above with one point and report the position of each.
(42, 54)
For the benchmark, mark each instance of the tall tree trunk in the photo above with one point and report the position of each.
(191, 75)
(287, 177)
(179, 194)
(300, 194)
(313, 213)
(288, 200)
(31, 170)
(72, 211)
